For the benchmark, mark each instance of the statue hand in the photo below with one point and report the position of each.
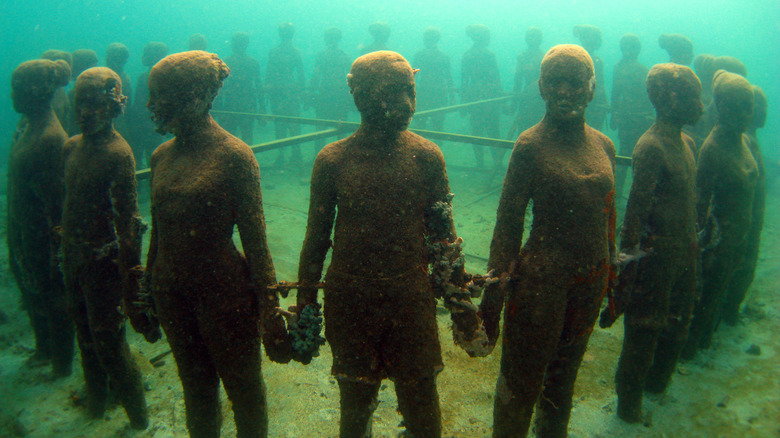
(276, 340)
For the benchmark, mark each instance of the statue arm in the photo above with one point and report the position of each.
(316, 243)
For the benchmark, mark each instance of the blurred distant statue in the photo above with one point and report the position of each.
(143, 137)
(590, 39)
(34, 203)
(243, 91)
(380, 32)
(631, 109)
(708, 65)
(60, 103)
(528, 105)
(679, 48)
(197, 41)
(285, 83)
(82, 60)
(726, 180)
(480, 80)
(435, 88)
(329, 93)
(117, 55)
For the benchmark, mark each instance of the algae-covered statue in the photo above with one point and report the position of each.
(213, 302)
(656, 286)
(35, 209)
(101, 247)
(726, 179)
(746, 270)
(394, 218)
(554, 284)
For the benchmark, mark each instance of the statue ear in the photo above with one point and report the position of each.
(415, 70)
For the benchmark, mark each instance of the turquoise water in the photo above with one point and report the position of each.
(748, 30)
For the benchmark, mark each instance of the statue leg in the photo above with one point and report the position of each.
(554, 406)
(358, 402)
(196, 369)
(418, 401)
(533, 321)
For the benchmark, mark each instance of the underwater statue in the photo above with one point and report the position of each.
(101, 247)
(82, 60)
(656, 286)
(285, 84)
(60, 103)
(380, 33)
(528, 105)
(213, 302)
(726, 179)
(631, 109)
(480, 80)
(746, 269)
(708, 65)
(679, 48)
(243, 91)
(590, 39)
(391, 192)
(117, 55)
(329, 91)
(197, 41)
(554, 284)
(144, 136)
(34, 206)
(434, 84)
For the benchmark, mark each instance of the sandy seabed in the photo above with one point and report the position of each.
(724, 392)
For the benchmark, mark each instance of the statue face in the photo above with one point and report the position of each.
(567, 91)
(687, 105)
(390, 100)
(736, 114)
(164, 110)
(95, 110)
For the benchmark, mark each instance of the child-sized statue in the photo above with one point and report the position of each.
(679, 48)
(35, 209)
(434, 80)
(391, 191)
(631, 109)
(243, 91)
(556, 281)
(481, 80)
(101, 246)
(746, 270)
(83, 59)
(656, 286)
(213, 302)
(144, 138)
(726, 178)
